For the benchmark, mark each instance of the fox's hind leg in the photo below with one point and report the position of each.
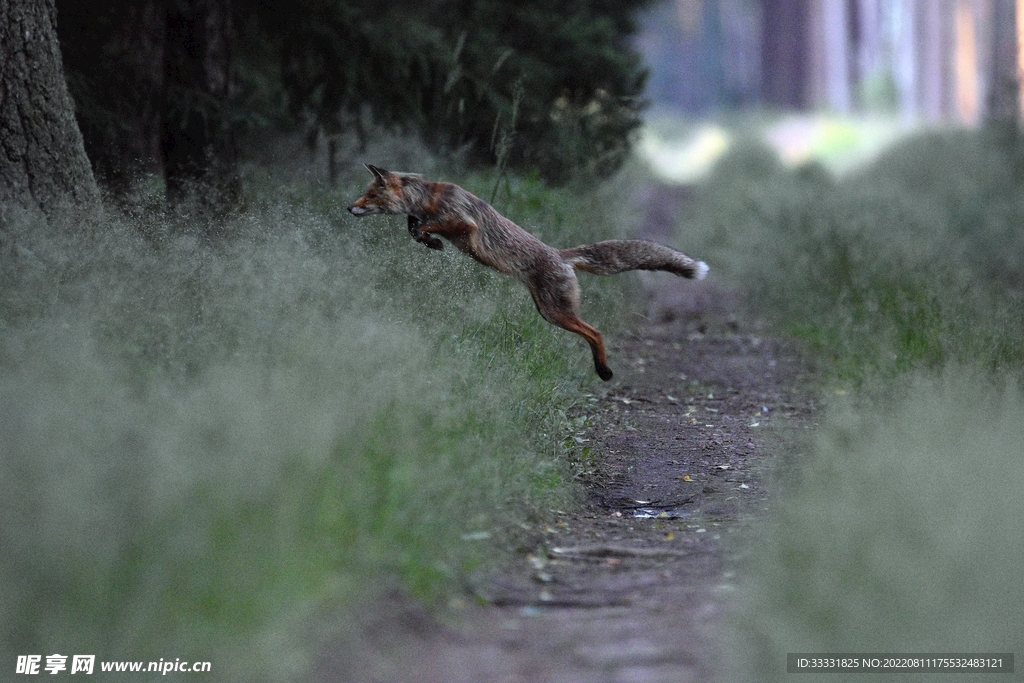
(593, 337)
(557, 300)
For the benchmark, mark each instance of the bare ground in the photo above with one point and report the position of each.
(632, 587)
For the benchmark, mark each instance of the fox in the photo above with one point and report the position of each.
(442, 209)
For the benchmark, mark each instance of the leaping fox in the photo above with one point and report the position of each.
(475, 227)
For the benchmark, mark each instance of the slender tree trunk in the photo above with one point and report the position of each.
(1004, 83)
(933, 60)
(785, 53)
(198, 146)
(906, 58)
(43, 166)
(830, 26)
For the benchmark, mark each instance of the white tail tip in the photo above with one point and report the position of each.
(702, 270)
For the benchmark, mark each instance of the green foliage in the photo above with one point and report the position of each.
(447, 70)
(581, 82)
(209, 447)
(337, 57)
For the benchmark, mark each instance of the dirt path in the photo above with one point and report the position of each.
(632, 587)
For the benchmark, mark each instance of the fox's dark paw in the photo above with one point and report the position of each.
(414, 226)
(604, 372)
(416, 230)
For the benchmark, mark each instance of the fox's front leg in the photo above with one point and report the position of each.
(415, 225)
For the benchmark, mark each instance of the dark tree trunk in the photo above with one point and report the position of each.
(199, 153)
(43, 166)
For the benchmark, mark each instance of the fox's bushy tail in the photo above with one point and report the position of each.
(617, 256)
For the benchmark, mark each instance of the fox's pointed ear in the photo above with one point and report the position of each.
(378, 173)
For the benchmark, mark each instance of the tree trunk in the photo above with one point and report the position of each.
(933, 60)
(829, 58)
(785, 53)
(1004, 83)
(43, 166)
(198, 146)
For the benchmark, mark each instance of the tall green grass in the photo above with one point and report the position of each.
(897, 527)
(209, 443)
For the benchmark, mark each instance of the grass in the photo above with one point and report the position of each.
(895, 529)
(899, 532)
(877, 271)
(209, 445)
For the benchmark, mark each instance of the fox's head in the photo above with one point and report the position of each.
(386, 194)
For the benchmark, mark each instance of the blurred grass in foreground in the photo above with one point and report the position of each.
(206, 444)
(896, 529)
(899, 532)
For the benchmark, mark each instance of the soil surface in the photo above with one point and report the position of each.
(632, 587)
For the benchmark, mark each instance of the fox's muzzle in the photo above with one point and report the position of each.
(357, 210)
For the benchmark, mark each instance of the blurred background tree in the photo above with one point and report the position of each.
(154, 88)
(197, 123)
(165, 86)
(114, 63)
(935, 63)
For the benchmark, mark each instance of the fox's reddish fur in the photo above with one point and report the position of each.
(472, 225)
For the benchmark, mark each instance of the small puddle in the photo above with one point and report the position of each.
(658, 513)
